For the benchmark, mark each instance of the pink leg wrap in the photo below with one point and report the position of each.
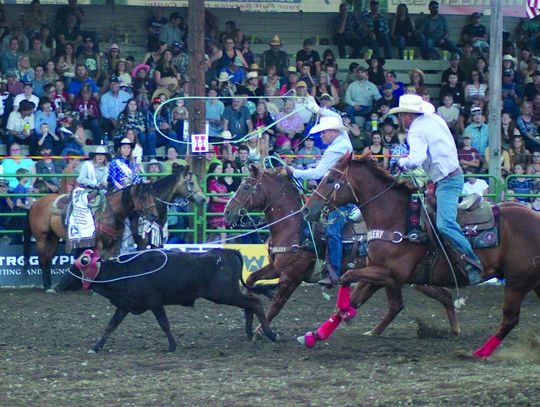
(344, 298)
(309, 339)
(487, 349)
(348, 314)
(329, 326)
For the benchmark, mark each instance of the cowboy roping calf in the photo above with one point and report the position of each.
(149, 280)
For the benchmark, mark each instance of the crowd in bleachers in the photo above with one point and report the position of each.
(63, 90)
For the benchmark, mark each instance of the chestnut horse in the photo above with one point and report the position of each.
(293, 262)
(391, 264)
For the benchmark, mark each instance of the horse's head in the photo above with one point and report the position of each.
(142, 200)
(256, 192)
(334, 190)
(186, 186)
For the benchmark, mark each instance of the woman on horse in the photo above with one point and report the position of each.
(123, 169)
(94, 172)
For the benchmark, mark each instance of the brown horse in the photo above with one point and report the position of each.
(291, 260)
(392, 264)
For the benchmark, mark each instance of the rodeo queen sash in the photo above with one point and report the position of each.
(81, 227)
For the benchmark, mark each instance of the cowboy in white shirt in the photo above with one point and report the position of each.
(334, 135)
(432, 147)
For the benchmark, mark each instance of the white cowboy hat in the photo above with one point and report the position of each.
(153, 161)
(224, 77)
(226, 135)
(100, 150)
(252, 75)
(412, 104)
(328, 123)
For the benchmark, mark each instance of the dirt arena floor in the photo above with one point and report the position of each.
(44, 340)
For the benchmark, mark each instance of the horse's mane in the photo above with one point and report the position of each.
(166, 183)
(379, 172)
(141, 192)
(289, 183)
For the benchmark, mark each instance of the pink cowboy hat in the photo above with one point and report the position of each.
(136, 70)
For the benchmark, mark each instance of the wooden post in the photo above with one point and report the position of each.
(495, 91)
(197, 112)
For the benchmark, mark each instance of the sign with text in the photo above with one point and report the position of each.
(199, 143)
(511, 8)
(314, 6)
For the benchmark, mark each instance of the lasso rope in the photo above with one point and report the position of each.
(254, 133)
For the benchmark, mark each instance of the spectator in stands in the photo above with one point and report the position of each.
(21, 203)
(13, 86)
(49, 72)
(67, 63)
(20, 125)
(45, 114)
(81, 78)
(173, 30)
(137, 152)
(10, 56)
(533, 88)
(123, 170)
(346, 34)
(509, 130)
(16, 32)
(237, 119)
(290, 130)
(24, 70)
(252, 87)
(292, 80)
(482, 68)
(505, 160)
(6, 206)
(528, 33)
(153, 27)
(512, 94)
(180, 58)
(521, 185)
(527, 127)
(435, 34)
(27, 94)
(308, 56)
(353, 131)
(474, 185)
(306, 78)
(166, 75)
(154, 138)
(172, 158)
(214, 111)
(417, 78)
(534, 166)
(36, 54)
(261, 119)
(455, 69)
(246, 52)
(325, 87)
(110, 57)
(469, 157)
(376, 30)
(276, 57)
(39, 81)
(68, 33)
(510, 63)
(225, 57)
(519, 154)
(48, 43)
(143, 85)
(11, 165)
(450, 114)
(242, 160)
(389, 133)
(398, 88)
(376, 148)
(131, 118)
(476, 91)
(71, 9)
(476, 34)
(48, 166)
(112, 103)
(217, 203)
(361, 95)
(232, 183)
(467, 61)
(388, 97)
(231, 30)
(308, 149)
(331, 70)
(536, 110)
(376, 72)
(532, 66)
(226, 87)
(478, 130)
(403, 30)
(90, 58)
(454, 88)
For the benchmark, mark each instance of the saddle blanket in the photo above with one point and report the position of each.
(81, 222)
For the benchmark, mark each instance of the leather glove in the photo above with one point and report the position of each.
(311, 105)
(286, 171)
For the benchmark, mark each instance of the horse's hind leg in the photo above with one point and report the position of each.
(267, 272)
(511, 309)
(163, 321)
(46, 247)
(116, 319)
(444, 296)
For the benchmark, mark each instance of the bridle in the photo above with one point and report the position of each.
(190, 186)
(251, 185)
(344, 180)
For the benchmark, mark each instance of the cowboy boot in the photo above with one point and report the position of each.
(331, 278)
(474, 271)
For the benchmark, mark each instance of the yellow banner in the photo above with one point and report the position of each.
(255, 257)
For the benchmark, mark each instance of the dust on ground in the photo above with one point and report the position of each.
(44, 340)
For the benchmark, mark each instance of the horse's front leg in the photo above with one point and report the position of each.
(374, 274)
(267, 272)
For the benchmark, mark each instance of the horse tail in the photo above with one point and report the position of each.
(27, 241)
(264, 289)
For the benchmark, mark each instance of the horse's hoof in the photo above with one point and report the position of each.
(308, 340)
(369, 333)
(50, 291)
(92, 351)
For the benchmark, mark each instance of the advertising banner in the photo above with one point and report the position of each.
(12, 262)
(291, 6)
(79, 2)
(511, 8)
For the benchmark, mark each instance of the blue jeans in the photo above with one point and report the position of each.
(352, 112)
(153, 139)
(428, 46)
(447, 193)
(333, 236)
